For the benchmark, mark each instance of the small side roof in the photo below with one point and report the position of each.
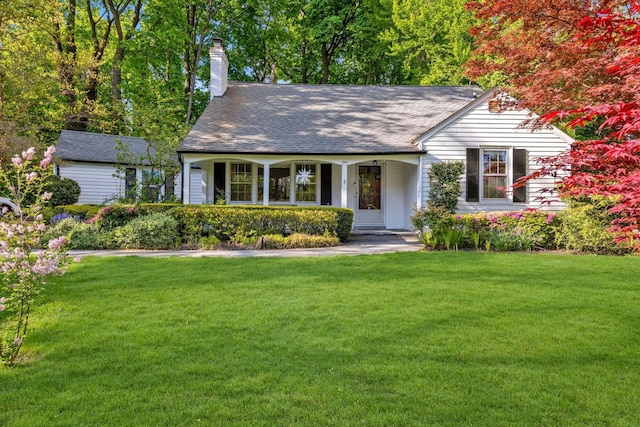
(323, 119)
(96, 147)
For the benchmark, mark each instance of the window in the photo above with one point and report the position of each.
(306, 182)
(130, 183)
(240, 182)
(279, 184)
(151, 185)
(491, 173)
(494, 174)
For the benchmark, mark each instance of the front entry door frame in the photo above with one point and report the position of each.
(370, 195)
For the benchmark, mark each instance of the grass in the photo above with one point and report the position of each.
(401, 339)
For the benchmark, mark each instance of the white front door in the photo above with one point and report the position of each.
(369, 210)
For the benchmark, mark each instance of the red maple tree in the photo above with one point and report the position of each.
(576, 63)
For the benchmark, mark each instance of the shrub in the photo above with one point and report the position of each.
(80, 235)
(156, 231)
(65, 191)
(502, 231)
(89, 237)
(83, 211)
(151, 208)
(225, 221)
(297, 241)
(59, 217)
(64, 227)
(113, 216)
(209, 242)
(444, 184)
(584, 228)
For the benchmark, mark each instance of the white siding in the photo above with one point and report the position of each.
(481, 128)
(195, 198)
(96, 180)
(400, 194)
(98, 185)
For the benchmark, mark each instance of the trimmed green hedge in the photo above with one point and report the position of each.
(151, 208)
(226, 221)
(82, 211)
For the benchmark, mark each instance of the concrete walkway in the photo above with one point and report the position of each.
(361, 242)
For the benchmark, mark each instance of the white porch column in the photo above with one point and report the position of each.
(265, 185)
(186, 182)
(419, 200)
(209, 196)
(344, 187)
(204, 175)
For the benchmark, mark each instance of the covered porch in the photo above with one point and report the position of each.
(382, 190)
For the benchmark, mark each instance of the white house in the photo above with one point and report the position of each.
(368, 148)
(91, 158)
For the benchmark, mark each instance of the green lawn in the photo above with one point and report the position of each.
(402, 339)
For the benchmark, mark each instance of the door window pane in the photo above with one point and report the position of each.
(369, 191)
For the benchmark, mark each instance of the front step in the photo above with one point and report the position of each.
(383, 234)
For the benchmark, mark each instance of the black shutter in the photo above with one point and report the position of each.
(219, 178)
(520, 163)
(130, 182)
(325, 184)
(473, 167)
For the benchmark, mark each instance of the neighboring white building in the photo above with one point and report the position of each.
(368, 148)
(90, 159)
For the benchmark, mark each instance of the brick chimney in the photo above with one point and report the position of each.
(219, 69)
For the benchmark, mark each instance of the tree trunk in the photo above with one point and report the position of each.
(325, 64)
(65, 47)
(304, 78)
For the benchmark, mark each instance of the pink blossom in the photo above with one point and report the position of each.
(550, 218)
(17, 161)
(28, 155)
(458, 217)
(45, 162)
(31, 176)
(47, 196)
(50, 151)
(2, 306)
(11, 189)
(57, 243)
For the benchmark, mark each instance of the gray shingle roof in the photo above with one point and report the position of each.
(323, 119)
(95, 147)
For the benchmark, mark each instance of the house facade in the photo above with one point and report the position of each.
(368, 148)
(91, 159)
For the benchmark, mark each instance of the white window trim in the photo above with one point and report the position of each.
(508, 187)
(228, 184)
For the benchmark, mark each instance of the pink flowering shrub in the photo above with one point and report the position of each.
(530, 229)
(25, 268)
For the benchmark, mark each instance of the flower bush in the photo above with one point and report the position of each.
(25, 270)
(526, 230)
